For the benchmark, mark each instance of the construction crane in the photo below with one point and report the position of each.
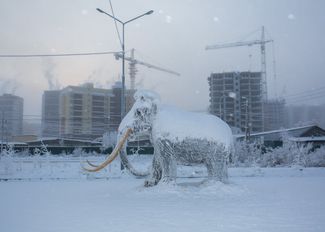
(261, 42)
(133, 70)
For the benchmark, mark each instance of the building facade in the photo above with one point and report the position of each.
(299, 115)
(237, 98)
(274, 114)
(11, 116)
(84, 111)
(115, 104)
(51, 113)
(115, 107)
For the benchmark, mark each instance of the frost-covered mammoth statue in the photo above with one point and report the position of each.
(178, 137)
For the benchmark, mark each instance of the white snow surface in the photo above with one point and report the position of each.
(176, 125)
(51, 194)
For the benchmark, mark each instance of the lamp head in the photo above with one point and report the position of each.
(149, 12)
(99, 10)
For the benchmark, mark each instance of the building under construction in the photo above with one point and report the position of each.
(240, 98)
(237, 98)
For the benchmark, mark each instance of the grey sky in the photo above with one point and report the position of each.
(173, 37)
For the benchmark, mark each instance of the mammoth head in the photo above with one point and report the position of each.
(137, 122)
(143, 112)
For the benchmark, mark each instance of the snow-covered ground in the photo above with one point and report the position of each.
(53, 194)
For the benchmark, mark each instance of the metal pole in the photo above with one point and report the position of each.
(123, 75)
(2, 130)
(246, 123)
(123, 54)
(224, 113)
(220, 107)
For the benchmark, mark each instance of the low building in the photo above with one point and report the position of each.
(24, 138)
(304, 134)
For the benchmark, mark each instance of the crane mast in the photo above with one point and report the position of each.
(133, 70)
(263, 66)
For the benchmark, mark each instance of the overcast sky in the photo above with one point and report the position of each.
(174, 37)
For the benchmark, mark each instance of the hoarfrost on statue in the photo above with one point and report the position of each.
(178, 137)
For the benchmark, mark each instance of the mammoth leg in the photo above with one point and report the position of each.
(164, 166)
(168, 162)
(156, 173)
(216, 164)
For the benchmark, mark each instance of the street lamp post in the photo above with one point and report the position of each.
(223, 97)
(123, 53)
(247, 120)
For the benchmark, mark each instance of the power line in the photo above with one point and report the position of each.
(304, 92)
(307, 99)
(306, 96)
(117, 31)
(55, 55)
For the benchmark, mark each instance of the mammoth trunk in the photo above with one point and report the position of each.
(126, 163)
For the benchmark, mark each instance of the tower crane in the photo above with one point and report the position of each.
(261, 42)
(132, 66)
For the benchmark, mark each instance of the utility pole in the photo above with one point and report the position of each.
(2, 129)
(123, 23)
(247, 119)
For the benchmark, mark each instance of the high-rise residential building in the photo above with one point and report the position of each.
(50, 113)
(274, 114)
(236, 97)
(84, 111)
(11, 116)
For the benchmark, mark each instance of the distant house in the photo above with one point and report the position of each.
(58, 146)
(304, 134)
(24, 138)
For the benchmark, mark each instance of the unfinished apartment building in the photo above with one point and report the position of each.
(236, 97)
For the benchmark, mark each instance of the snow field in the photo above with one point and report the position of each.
(267, 199)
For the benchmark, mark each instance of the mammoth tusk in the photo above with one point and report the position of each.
(92, 165)
(112, 156)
